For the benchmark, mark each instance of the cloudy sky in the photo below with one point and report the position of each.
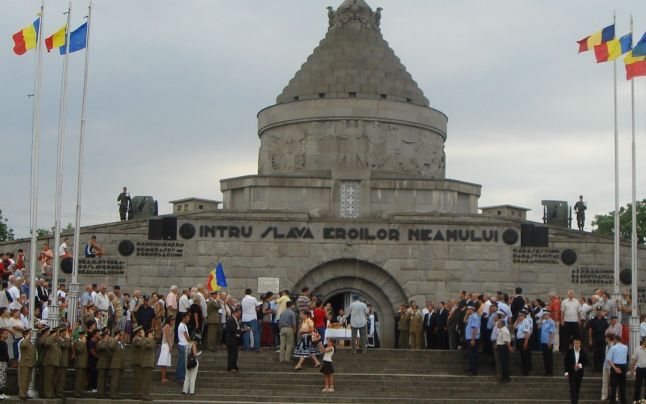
(175, 88)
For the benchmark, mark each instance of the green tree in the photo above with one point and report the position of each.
(40, 233)
(605, 224)
(6, 232)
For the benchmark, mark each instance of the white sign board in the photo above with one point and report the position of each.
(268, 285)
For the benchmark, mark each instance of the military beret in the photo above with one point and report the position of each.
(106, 330)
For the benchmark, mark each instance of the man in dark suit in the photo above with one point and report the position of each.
(517, 304)
(441, 327)
(429, 326)
(575, 361)
(233, 333)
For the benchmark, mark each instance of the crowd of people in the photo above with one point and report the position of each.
(184, 321)
(497, 325)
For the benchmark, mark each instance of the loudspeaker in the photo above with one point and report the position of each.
(541, 236)
(155, 227)
(534, 236)
(169, 228)
(526, 235)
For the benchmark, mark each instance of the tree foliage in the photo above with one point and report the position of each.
(605, 224)
(6, 232)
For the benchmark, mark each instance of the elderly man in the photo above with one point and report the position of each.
(570, 319)
(86, 297)
(358, 312)
(614, 328)
(101, 300)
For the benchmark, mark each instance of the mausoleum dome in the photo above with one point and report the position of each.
(353, 61)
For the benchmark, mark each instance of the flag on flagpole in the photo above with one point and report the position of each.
(78, 39)
(590, 41)
(26, 38)
(57, 39)
(612, 50)
(640, 48)
(216, 280)
(635, 65)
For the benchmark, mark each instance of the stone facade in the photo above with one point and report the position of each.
(388, 261)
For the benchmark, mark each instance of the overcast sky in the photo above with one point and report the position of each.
(175, 87)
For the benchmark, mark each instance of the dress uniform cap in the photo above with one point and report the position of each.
(471, 307)
(137, 328)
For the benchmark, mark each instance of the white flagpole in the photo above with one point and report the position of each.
(53, 308)
(617, 245)
(634, 317)
(74, 286)
(33, 203)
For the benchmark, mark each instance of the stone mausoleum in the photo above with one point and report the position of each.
(351, 198)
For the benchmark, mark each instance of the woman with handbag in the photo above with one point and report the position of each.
(309, 340)
(191, 368)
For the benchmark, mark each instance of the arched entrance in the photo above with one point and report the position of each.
(370, 281)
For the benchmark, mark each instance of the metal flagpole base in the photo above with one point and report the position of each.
(635, 339)
(73, 298)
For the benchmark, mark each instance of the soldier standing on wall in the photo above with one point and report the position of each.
(124, 203)
(580, 208)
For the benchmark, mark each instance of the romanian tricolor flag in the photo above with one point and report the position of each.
(216, 280)
(589, 42)
(635, 66)
(640, 48)
(57, 39)
(26, 38)
(612, 50)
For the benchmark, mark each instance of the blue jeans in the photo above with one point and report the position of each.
(246, 339)
(180, 368)
(16, 350)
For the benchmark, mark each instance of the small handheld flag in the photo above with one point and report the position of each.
(217, 280)
(590, 41)
(57, 39)
(78, 40)
(26, 38)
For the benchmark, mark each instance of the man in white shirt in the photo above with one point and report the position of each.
(570, 318)
(503, 347)
(63, 249)
(358, 312)
(13, 293)
(638, 367)
(101, 300)
(250, 319)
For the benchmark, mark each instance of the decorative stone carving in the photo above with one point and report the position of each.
(355, 12)
(355, 144)
(331, 15)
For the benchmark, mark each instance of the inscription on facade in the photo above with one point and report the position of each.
(101, 266)
(525, 255)
(160, 249)
(592, 275)
(416, 234)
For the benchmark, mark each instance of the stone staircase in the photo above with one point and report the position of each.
(379, 376)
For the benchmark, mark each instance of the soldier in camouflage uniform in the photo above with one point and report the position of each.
(137, 351)
(65, 345)
(51, 363)
(116, 364)
(103, 365)
(26, 364)
(147, 364)
(80, 364)
(404, 326)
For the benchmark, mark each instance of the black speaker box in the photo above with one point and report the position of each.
(155, 227)
(169, 228)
